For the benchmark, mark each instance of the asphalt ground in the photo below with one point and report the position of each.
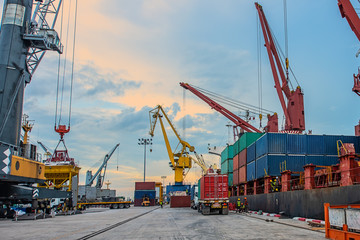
(157, 223)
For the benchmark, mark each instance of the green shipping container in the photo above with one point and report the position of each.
(247, 139)
(230, 179)
(237, 147)
(227, 166)
(227, 153)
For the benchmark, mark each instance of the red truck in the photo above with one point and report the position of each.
(213, 189)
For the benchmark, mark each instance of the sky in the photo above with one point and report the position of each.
(131, 56)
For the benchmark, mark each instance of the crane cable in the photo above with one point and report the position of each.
(286, 41)
(258, 37)
(64, 67)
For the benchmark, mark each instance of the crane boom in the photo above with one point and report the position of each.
(347, 11)
(294, 109)
(229, 115)
(90, 178)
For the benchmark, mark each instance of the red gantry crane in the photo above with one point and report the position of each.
(347, 11)
(239, 122)
(294, 109)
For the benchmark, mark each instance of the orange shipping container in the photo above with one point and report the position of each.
(242, 158)
(236, 177)
(242, 174)
(236, 162)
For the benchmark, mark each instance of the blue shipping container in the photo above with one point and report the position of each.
(139, 194)
(322, 160)
(296, 144)
(330, 142)
(251, 171)
(275, 164)
(315, 145)
(271, 143)
(175, 188)
(251, 153)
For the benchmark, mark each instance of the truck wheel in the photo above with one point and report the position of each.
(127, 205)
(225, 211)
(121, 206)
(205, 211)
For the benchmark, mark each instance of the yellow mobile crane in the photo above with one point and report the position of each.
(180, 160)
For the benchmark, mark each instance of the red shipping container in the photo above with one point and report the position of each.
(144, 185)
(180, 201)
(236, 162)
(242, 174)
(214, 187)
(242, 158)
(236, 177)
(137, 202)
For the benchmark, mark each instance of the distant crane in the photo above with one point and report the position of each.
(100, 173)
(294, 109)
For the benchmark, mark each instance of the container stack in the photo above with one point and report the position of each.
(276, 152)
(227, 156)
(142, 190)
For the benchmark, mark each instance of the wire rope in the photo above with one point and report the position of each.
(59, 67)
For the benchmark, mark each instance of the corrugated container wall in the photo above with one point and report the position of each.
(242, 174)
(275, 164)
(236, 162)
(251, 153)
(250, 171)
(230, 179)
(242, 157)
(271, 143)
(214, 186)
(144, 185)
(236, 177)
(322, 160)
(227, 153)
(180, 201)
(247, 139)
(296, 144)
(227, 166)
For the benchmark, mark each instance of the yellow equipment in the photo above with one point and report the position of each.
(179, 160)
(145, 202)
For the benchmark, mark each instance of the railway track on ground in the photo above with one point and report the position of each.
(114, 226)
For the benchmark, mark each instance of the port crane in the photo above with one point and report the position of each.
(238, 121)
(179, 160)
(294, 109)
(48, 153)
(347, 11)
(100, 173)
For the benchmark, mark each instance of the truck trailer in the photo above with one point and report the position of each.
(213, 197)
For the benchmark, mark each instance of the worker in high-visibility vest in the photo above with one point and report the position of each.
(238, 205)
(245, 204)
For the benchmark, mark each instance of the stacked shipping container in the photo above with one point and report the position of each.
(144, 189)
(227, 163)
(275, 152)
(240, 156)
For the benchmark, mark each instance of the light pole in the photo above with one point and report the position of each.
(163, 178)
(145, 141)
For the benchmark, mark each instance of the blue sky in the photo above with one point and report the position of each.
(131, 56)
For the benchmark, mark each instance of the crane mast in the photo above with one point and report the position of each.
(229, 115)
(180, 160)
(100, 177)
(294, 109)
(22, 39)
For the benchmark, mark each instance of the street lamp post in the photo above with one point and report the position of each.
(145, 141)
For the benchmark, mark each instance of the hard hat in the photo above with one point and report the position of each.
(245, 197)
(270, 180)
(238, 198)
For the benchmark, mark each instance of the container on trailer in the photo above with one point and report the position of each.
(250, 171)
(177, 188)
(247, 139)
(180, 201)
(242, 174)
(236, 177)
(251, 153)
(213, 187)
(296, 144)
(242, 157)
(271, 143)
(236, 162)
(144, 185)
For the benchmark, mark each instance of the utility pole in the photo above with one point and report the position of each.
(145, 141)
